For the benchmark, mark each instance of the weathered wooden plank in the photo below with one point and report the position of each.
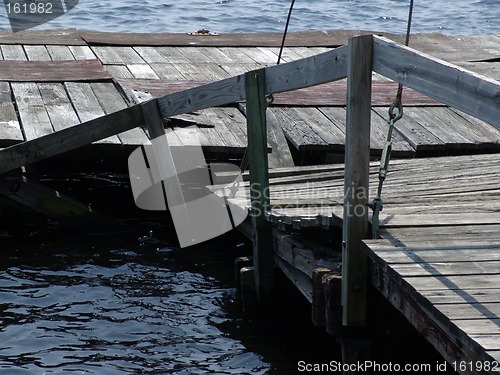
(357, 160)
(173, 55)
(63, 37)
(87, 105)
(58, 105)
(437, 297)
(298, 131)
(438, 126)
(107, 55)
(446, 337)
(82, 52)
(119, 71)
(317, 38)
(10, 129)
(127, 54)
(142, 71)
(168, 72)
(322, 126)
(52, 71)
(69, 139)
(193, 72)
(13, 52)
(150, 55)
(439, 220)
(237, 56)
(111, 101)
(34, 118)
(447, 268)
(255, 83)
(60, 53)
(37, 53)
(449, 254)
(474, 94)
(280, 155)
(471, 311)
(420, 138)
(334, 94)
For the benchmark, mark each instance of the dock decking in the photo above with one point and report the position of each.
(50, 80)
(434, 208)
(438, 259)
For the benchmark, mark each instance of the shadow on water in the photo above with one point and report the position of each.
(134, 304)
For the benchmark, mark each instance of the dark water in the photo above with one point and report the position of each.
(108, 305)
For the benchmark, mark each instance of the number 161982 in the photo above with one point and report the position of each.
(31, 8)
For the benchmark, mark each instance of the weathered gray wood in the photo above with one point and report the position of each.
(150, 55)
(87, 105)
(37, 53)
(119, 71)
(60, 53)
(298, 131)
(280, 155)
(450, 341)
(58, 105)
(13, 52)
(167, 71)
(142, 71)
(357, 159)
(82, 53)
(10, 129)
(69, 139)
(306, 72)
(255, 83)
(457, 87)
(52, 71)
(111, 101)
(34, 118)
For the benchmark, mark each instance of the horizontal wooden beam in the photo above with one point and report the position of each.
(457, 87)
(70, 138)
(53, 71)
(311, 71)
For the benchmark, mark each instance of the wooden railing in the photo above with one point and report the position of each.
(452, 85)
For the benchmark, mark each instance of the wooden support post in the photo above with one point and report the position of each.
(357, 158)
(255, 83)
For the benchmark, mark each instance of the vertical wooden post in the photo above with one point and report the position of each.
(255, 82)
(357, 158)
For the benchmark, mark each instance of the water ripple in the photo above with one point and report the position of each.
(227, 16)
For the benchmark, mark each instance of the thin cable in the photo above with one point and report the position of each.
(407, 42)
(286, 31)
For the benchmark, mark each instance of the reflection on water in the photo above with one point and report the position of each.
(116, 306)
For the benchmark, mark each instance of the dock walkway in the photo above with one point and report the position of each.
(50, 80)
(438, 259)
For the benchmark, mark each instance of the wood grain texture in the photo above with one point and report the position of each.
(70, 138)
(52, 71)
(357, 159)
(467, 91)
(9, 124)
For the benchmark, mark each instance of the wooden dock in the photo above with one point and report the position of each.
(57, 79)
(435, 260)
